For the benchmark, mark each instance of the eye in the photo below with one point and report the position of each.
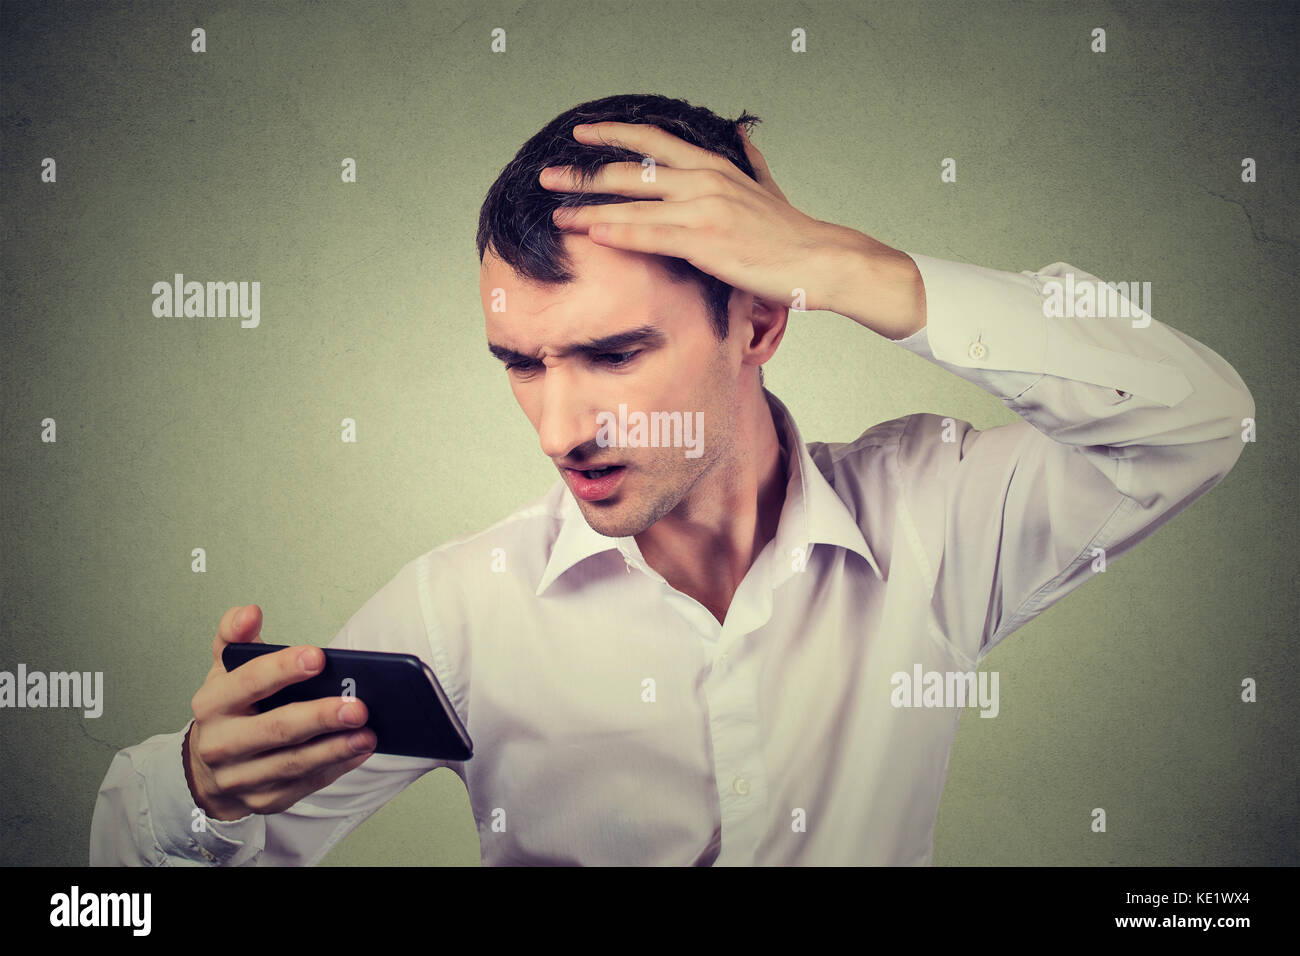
(521, 370)
(616, 359)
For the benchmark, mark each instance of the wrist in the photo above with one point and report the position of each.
(209, 809)
(881, 288)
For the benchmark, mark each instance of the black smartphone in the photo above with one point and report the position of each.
(409, 712)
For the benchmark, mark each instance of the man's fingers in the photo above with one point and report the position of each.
(292, 766)
(247, 630)
(650, 140)
(239, 738)
(666, 212)
(760, 166)
(236, 692)
(627, 179)
(276, 799)
(655, 239)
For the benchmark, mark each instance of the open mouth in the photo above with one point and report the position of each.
(594, 484)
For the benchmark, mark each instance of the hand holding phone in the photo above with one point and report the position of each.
(242, 756)
(240, 761)
(409, 713)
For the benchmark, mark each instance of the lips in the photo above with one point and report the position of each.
(595, 472)
(593, 484)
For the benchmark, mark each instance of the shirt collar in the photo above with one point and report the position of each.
(812, 514)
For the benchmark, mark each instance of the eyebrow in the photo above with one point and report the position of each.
(645, 335)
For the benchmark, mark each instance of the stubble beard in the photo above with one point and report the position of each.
(632, 517)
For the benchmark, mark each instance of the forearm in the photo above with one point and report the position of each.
(876, 285)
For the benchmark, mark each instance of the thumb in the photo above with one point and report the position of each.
(760, 165)
(248, 630)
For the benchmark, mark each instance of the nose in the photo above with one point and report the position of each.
(566, 421)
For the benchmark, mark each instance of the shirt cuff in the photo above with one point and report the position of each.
(183, 831)
(993, 329)
(983, 325)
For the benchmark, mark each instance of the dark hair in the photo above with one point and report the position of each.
(516, 215)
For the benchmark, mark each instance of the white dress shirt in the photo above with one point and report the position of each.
(772, 738)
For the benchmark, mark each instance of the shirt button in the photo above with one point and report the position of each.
(977, 351)
(740, 785)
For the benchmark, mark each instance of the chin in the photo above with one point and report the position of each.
(611, 525)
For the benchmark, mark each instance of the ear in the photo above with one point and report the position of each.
(762, 328)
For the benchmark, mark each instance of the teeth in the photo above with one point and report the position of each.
(597, 473)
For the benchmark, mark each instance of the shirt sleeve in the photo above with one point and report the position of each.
(1125, 422)
(145, 815)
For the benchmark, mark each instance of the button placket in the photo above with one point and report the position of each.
(738, 760)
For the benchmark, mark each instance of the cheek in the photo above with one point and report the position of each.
(527, 401)
(720, 418)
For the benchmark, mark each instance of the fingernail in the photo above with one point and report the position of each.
(307, 660)
(360, 742)
(350, 713)
(238, 619)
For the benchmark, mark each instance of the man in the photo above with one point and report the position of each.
(691, 649)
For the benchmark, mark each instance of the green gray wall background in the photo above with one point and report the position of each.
(183, 433)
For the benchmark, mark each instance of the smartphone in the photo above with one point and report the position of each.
(409, 712)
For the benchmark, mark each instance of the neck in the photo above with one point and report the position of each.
(706, 545)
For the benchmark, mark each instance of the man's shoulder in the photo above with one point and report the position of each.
(916, 454)
(530, 522)
(514, 547)
(909, 442)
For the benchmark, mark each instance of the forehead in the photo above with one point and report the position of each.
(609, 286)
